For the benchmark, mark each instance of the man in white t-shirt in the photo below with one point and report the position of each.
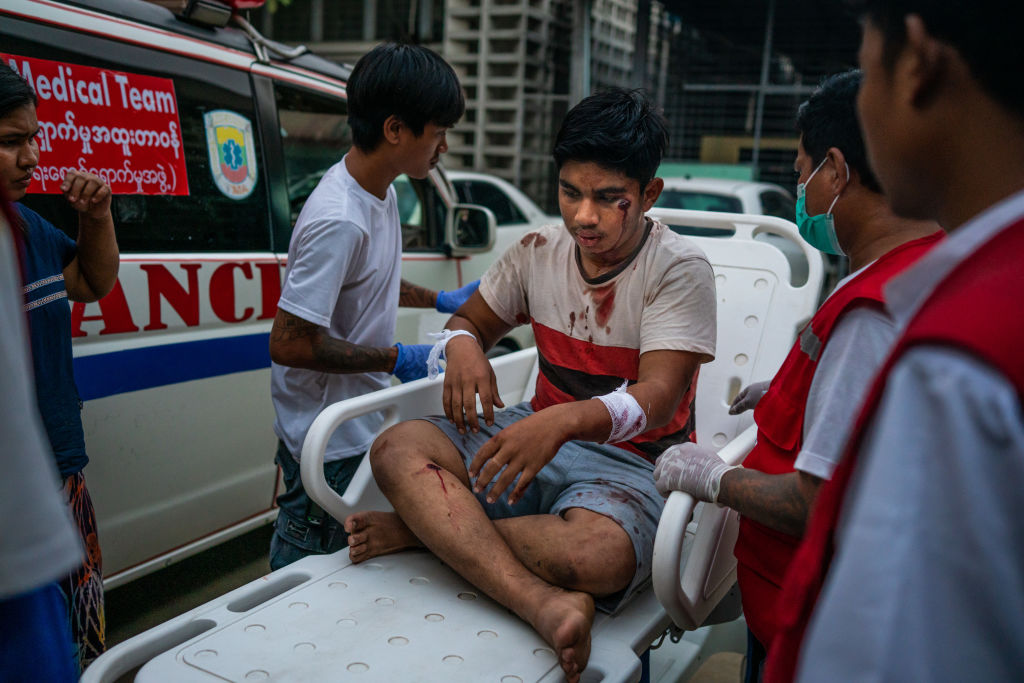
(615, 300)
(333, 334)
(804, 414)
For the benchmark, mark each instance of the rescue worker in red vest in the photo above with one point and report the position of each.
(803, 415)
(912, 565)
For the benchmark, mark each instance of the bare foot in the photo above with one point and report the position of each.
(377, 533)
(564, 621)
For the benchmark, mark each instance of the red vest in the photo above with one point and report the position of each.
(763, 554)
(970, 310)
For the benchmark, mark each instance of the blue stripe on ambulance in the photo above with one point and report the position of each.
(107, 374)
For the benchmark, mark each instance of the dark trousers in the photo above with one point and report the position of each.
(302, 527)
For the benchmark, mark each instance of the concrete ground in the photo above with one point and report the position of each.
(723, 667)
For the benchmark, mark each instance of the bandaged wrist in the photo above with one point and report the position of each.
(628, 418)
(437, 352)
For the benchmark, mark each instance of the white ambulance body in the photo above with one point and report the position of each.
(211, 153)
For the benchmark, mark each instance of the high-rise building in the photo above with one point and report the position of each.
(523, 63)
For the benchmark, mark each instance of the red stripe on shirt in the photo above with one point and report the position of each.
(561, 349)
(568, 352)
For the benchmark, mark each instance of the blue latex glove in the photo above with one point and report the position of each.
(449, 302)
(412, 361)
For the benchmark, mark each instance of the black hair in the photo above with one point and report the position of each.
(408, 81)
(617, 129)
(15, 92)
(829, 119)
(984, 32)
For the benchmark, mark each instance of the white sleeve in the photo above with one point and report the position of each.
(503, 285)
(926, 583)
(39, 543)
(681, 313)
(319, 265)
(855, 351)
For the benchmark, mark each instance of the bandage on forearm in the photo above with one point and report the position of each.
(628, 418)
(437, 352)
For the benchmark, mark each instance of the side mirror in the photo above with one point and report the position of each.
(469, 229)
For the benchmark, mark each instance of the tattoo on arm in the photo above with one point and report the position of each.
(776, 500)
(415, 296)
(325, 353)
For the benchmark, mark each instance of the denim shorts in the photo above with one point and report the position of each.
(604, 479)
(302, 527)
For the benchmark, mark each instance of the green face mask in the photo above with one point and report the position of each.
(819, 230)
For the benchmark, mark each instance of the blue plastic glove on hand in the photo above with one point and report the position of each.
(412, 361)
(449, 302)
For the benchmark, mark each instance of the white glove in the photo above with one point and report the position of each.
(691, 469)
(748, 398)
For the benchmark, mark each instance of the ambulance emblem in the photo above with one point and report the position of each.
(232, 148)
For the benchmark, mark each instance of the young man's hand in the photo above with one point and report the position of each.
(523, 449)
(87, 193)
(467, 374)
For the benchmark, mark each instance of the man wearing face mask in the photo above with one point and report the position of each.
(804, 414)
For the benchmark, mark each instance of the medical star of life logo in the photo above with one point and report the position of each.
(232, 151)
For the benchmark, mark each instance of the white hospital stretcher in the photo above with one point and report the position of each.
(407, 617)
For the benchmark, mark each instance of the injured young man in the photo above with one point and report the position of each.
(549, 506)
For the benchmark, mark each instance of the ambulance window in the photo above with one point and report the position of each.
(178, 200)
(314, 137)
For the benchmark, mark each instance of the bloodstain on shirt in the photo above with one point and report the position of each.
(572, 321)
(604, 301)
(437, 471)
(534, 238)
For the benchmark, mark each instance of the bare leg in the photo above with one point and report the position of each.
(424, 477)
(583, 551)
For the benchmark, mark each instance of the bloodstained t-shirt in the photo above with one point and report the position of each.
(591, 332)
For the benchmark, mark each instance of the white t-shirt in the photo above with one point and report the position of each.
(38, 543)
(344, 270)
(855, 351)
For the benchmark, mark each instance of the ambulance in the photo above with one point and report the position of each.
(211, 138)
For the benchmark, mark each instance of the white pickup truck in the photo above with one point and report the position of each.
(406, 616)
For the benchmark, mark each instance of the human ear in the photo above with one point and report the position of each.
(651, 193)
(393, 129)
(926, 63)
(840, 176)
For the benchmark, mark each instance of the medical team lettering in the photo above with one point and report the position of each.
(123, 127)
